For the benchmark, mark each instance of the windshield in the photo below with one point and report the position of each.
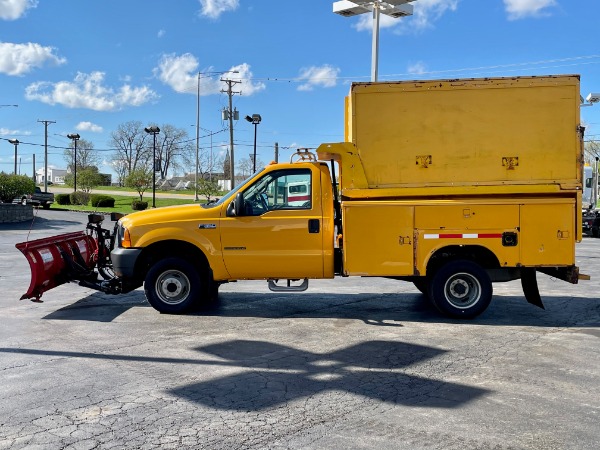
(229, 194)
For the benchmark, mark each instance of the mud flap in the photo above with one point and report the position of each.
(57, 260)
(530, 287)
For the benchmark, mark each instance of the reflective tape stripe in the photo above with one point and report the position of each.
(463, 236)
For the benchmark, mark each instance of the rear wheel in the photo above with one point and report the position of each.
(461, 289)
(175, 286)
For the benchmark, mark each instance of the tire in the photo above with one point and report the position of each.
(461, 289)
(175, 286)
(46, 206)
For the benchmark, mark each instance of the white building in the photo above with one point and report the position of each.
(55, 176)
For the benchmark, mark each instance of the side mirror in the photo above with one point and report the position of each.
(238, 205)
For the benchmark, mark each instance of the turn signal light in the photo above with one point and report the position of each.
(126, 241)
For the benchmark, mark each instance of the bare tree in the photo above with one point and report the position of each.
(120, 168)
(592, 151)
(86, 155)
(131, 146)
(245, 166)
(173, 147)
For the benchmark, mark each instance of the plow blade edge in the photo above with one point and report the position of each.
(57, 260)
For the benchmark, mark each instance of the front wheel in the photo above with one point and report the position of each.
(461, 289)
(174, 286)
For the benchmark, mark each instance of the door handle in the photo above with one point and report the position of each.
(314, 225)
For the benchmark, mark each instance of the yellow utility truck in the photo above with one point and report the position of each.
(449, 184)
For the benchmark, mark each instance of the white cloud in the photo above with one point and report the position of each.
(7, 132)
(518, 9)
(88, 91)
(178, 72)
(417, 68)
(181, 74)
(20, 59)
(324, 76)
(214, 8)
(161, 33)
(247, 86)
(426, 12)
(15, 9)
(89, 126)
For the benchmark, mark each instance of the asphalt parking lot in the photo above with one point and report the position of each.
(351, 363)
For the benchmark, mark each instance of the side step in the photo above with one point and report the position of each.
(273, 286)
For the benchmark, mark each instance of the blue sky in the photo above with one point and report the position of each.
(92, 65)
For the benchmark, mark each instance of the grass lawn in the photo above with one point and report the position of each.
(123, 204)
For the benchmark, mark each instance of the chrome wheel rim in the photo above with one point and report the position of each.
(173, 287)
(462, 290)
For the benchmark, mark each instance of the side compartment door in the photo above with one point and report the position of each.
(280, 231)
(378, 239)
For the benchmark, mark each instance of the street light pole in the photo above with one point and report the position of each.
(75, 137)
(392, 8)
(16, 143)
(255, 120)
(375, 43)
(153, 131)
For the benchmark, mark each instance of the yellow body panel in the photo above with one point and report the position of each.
(547, 234)
(378, 239)
(472, 132)
(398, 238)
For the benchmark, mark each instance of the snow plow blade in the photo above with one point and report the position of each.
(57, 260)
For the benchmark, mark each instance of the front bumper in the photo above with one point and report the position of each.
(124, 260)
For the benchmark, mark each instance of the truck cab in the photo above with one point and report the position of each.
(278, 224)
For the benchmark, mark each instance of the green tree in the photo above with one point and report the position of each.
(13, 186)
(208, 188)
(88, 179)
(139, 179)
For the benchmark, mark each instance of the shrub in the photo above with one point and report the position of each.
(102, 200)
(13, 186)
(79, 198)
(138, 205)
(63, 199)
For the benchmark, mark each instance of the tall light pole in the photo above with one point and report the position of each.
(202, 75)
(255, 120)
(153, 131)
(16, 143)
(392, 8)
(74, 137)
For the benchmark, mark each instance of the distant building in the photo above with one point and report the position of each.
(55, 176)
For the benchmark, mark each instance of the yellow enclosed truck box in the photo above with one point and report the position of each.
(450, 184)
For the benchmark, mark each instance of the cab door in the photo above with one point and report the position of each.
(276, 236)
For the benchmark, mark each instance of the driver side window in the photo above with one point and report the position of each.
(283, 189)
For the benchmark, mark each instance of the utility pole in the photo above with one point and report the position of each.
(231, 114)
(276, 152)
(46, 122)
